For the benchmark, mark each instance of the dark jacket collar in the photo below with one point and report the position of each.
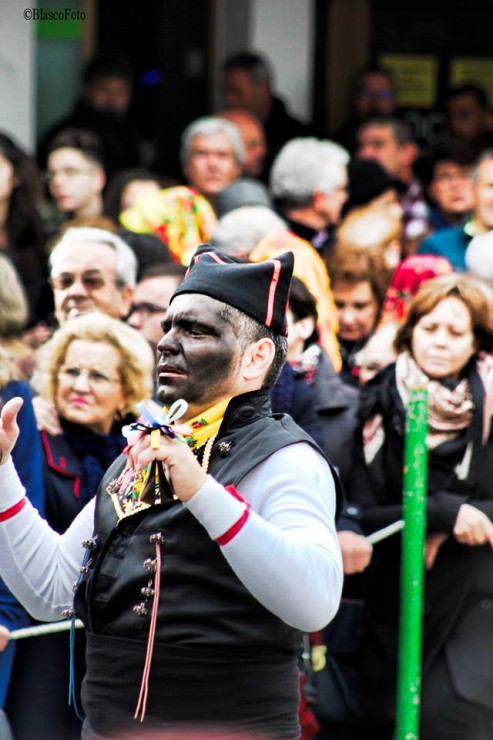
(245, 409)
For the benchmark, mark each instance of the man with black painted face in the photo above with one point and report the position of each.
(205, 560)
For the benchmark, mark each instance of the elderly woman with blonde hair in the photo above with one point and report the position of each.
(94, 369)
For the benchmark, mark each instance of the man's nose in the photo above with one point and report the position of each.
(77, 288)
(135, 320)
(168, 344)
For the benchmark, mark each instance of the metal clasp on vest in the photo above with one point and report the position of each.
(84, 569)
(157, 538)
(224, 448)
(68, 613)
(141, 609)
(90, 544)
(147, 591)
(150, 564)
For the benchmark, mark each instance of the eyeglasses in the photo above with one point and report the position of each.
(148, 308)
(90, 282)
(70, 172)
(93, 377)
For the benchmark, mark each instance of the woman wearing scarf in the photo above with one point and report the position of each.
(443, 345)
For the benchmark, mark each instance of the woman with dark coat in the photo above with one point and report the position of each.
(443, 345)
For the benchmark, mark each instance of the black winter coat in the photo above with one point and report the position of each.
(458, 608)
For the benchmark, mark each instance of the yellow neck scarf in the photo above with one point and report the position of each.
(206, 425)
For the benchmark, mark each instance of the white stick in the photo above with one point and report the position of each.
(44, 629)
(382, 534)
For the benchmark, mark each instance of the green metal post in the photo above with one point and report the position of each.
(412, 567)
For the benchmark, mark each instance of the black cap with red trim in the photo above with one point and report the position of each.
(259, 289)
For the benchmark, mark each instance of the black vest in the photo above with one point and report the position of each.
(202, 604)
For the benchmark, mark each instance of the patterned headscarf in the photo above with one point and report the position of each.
(181, 217)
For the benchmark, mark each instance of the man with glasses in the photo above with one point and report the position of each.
(151, 299)
(91, 270)
(75, 173)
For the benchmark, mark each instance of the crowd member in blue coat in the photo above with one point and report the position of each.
(452, 243)
(27, 458)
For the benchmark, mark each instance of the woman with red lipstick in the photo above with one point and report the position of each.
(94, 370)
(444, 345)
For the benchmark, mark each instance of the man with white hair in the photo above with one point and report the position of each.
(308, 183)
(212, 155)
(91, 269)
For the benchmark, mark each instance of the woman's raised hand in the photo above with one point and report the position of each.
(9, 430)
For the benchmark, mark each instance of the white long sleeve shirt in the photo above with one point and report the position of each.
(287, 553)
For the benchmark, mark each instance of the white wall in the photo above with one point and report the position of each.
(284, 31)
(16, 72)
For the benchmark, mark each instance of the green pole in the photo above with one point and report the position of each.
(412, 566)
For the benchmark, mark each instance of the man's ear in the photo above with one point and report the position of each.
(258, 358)
(126, 294)
(318, 200)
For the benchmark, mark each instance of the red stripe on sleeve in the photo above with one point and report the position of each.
(237, 526)
(9, 513)
(233, 531)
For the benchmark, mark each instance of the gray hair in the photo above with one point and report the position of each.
(240, 230)
(209, 126)
(126, 261)
(304, 166)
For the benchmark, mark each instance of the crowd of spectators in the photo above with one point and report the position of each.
(393, 288)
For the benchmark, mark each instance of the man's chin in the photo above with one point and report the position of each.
(167, 395)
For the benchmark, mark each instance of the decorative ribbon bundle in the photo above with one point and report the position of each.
(133, 489)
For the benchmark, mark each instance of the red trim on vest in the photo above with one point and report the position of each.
(9, 513)
(238, 525)
(272, 292)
